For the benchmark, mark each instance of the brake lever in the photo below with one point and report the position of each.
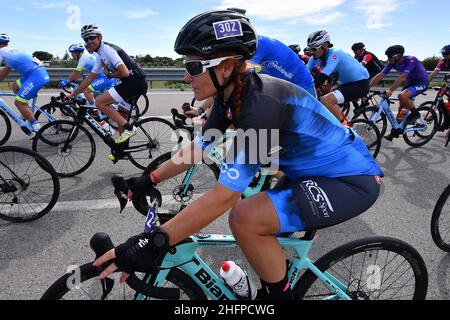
(121, 191)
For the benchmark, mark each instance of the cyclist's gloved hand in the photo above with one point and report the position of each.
(63, 83)
(142, 184)
(143, 252)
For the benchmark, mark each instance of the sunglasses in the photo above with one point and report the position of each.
(91, 38)
(315, 49)
(197, 67)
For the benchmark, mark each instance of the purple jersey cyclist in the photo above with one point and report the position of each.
(413, 75)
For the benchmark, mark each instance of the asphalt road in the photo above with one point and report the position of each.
(34, 255)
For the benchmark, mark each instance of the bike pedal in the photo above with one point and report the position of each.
(111, 157)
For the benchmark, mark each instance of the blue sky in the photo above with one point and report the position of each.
(142, 27)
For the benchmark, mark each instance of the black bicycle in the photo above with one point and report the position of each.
(438, 105)
(440, 221)
(71, 149)
(29, 186)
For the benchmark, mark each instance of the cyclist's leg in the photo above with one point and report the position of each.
(259, 243)
(406, 97)
(331, 101)
(311, 203)
(27, 89)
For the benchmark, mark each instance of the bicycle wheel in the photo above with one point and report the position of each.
(372, 269)
(29, 186)
(433, 106)
(142, 105)
(174, 199)
(158, 135)
(371, 113)
(425, 128)
(5, 128)
(89, 287)
(70, 152)
(440, 221)
(54, 110)
(369, 133)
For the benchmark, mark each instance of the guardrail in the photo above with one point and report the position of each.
(168, 74)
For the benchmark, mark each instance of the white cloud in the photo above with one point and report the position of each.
(140, 14)
(282, 9)
(376, 10)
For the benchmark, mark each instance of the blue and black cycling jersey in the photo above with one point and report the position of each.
(313, 142)
(348, 68)
(278, 60)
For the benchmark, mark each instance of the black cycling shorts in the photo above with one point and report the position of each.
(127, 90)
(319, 202)
(353, 90)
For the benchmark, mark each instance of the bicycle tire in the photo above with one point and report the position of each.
(59, 289)
(143, 108)
(433, 106)
(27, 192)
(368, 245)
(161, 132)
(171, 186)
(425, 138)
(51, 109)
(50, 146)
(7, 128)
(374, 145)
(436, 226)
(367, 112)
(345, 108)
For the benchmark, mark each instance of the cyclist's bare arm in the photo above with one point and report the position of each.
(122, 72)
(180, 162)
(86, 82)
(433, 74)
(400, 80)
(376, 80)
(4, 73)
(75, 75)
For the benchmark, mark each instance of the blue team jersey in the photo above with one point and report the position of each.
(20, 61)
(348, 68)
(312, 141)
(278, 60)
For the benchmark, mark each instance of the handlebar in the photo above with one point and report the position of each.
(101, 243)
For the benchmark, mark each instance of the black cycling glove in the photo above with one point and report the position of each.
(140, 184)
(143, 252)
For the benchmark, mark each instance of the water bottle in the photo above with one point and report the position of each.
(237, 279)
(105, 125)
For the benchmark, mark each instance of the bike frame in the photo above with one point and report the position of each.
(18, 118)
(385, 107)
(187, 259)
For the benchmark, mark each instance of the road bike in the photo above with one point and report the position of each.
(71, 148)
(29, 186)
(415, 134)
(377, 268)
(6, 112)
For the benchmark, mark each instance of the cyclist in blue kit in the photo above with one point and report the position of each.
(33, 77)
(353, 78)
(330, 175)
(86, 62)
(279, 61)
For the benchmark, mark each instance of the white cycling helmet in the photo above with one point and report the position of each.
(90, 30)
(77, 47)
(4, 38)
(318, 38)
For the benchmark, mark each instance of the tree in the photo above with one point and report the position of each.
(148, 59)
(66, 56)
(43, 55)
(430, 63)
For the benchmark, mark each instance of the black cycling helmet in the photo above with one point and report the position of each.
(358, 45)
(446, 50)
(296, 48)
(393, 50)
(215, 31)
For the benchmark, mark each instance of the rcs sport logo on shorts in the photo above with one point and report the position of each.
(319, 197)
